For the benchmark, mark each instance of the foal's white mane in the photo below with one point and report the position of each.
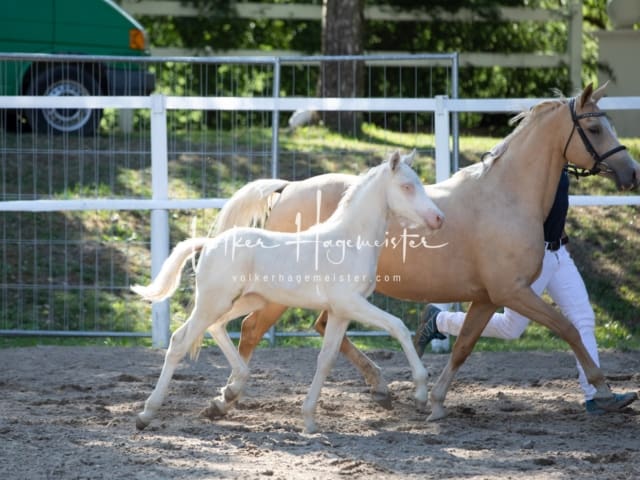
(354, 190)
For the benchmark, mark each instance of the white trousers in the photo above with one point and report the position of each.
(563, 282)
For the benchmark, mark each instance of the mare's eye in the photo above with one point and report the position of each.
(594, 130)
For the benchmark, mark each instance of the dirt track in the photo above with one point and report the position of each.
(69, 413)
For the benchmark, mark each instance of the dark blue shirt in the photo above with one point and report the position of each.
(554, 224)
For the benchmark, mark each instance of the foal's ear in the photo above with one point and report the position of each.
(395, 160)
(586, 95)
(599, 93)
(408, 159)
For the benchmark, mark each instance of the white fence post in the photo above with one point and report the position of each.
(443, 171)
(443, 154)
(159, 218)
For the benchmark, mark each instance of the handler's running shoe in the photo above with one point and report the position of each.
(427, 330)
(614, 404)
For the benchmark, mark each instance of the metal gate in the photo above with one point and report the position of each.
(75, 228)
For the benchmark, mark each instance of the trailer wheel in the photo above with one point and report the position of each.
(64, 81)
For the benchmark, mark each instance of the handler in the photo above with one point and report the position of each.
(562, 280)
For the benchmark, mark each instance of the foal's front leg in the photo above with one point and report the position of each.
(362, 311)
(335, 329)
(370, 371)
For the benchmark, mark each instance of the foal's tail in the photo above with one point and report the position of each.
(249, 206)
(167, 281)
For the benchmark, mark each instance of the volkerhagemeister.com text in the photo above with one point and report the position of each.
(299, 278)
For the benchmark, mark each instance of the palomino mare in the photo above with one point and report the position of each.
(329, 267)
(495, 211)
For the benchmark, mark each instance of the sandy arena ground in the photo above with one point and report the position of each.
(69, 413)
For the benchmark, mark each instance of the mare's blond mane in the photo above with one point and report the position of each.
(522, 120)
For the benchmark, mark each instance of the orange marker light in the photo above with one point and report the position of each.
(137, 39)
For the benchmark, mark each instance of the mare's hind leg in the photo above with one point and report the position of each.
(475, 321)
(236, 382)
(255, 325)
(370, 371)
(181, 341)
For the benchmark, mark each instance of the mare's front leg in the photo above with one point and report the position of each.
(370, 371)
(527, 303)
(336, 328)
(475, 321)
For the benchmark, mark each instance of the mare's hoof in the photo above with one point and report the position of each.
(383, 399)
(141, 424)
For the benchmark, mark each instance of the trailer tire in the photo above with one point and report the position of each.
(61, 81)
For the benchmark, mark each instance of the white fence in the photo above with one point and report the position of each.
(40, 282)
(158, 105)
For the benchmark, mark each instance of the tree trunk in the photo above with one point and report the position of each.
(342, 34)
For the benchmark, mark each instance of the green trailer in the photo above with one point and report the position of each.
(91, 28)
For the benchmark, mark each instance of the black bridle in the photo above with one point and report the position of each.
(598, 159)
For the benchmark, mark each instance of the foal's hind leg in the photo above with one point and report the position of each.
(239, 369)
(181, 341)
(370, 371)
(475, 321)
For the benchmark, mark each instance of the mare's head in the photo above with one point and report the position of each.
(592, 144)
(406, 196)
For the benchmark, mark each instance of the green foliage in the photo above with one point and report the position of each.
(218, 30)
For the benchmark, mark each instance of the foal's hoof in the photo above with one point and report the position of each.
(437, 413)
(213, 411)
(383, 399)
(310, 427)
(421, 405)
(141, 424)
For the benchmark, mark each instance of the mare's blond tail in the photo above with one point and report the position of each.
(167, 281)
(249, 206)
